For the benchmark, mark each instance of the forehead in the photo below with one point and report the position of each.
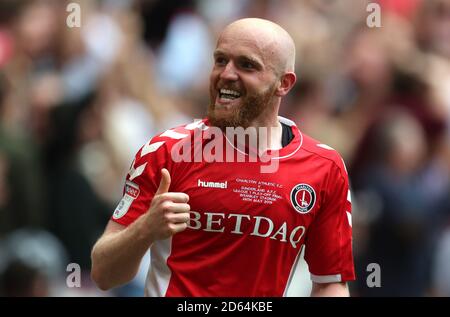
(249, 44)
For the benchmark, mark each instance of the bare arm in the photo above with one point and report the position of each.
(117, 254)
(330, 290)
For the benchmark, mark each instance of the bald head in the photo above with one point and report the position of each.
(274, 42)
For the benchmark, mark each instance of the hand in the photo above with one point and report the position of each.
(169, 212)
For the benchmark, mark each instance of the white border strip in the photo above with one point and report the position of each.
(174, 135)
(326, 278)
(294, 267)
(159, 273)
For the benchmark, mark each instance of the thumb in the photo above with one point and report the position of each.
(165, 182)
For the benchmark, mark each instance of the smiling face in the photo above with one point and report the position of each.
(246, 82)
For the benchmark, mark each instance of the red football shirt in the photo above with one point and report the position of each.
(247, 228)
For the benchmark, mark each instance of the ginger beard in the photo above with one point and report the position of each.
(250, 108)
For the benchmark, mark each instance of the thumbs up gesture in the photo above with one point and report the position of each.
(169, 212)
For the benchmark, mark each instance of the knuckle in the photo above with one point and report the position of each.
(165, 206)
(172, 229)
(162, 197)
(159, 197)
(167, 218)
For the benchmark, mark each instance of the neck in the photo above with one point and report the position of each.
(268, 132)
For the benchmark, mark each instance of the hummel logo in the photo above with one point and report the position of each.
(212, 184)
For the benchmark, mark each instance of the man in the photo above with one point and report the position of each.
(227, 228)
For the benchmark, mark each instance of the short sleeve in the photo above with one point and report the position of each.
(329, 238)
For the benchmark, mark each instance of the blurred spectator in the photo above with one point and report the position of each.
(433, 26)
(32, 264)
(21, 280)
(190, 35)
(441, 272)
(21, 183)
(402, 237)
(157, 16)
(76, 211)
(404, 8)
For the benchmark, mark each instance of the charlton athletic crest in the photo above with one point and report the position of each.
(303, 198)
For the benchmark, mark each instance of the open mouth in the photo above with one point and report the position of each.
(229, 94)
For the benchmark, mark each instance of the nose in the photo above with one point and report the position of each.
(229, 72)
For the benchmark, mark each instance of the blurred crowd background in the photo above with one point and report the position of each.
(77, 103)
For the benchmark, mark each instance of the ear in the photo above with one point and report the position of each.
(287, 81)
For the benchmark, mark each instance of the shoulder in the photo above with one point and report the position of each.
(324, 153)
(161, 145)
(174, 135)
(156, 153)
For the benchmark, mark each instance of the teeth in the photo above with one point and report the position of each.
(230, 92)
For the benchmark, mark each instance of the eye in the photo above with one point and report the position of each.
(247, 65)
(221, 61)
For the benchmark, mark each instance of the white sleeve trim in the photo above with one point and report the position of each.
(326, 278)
